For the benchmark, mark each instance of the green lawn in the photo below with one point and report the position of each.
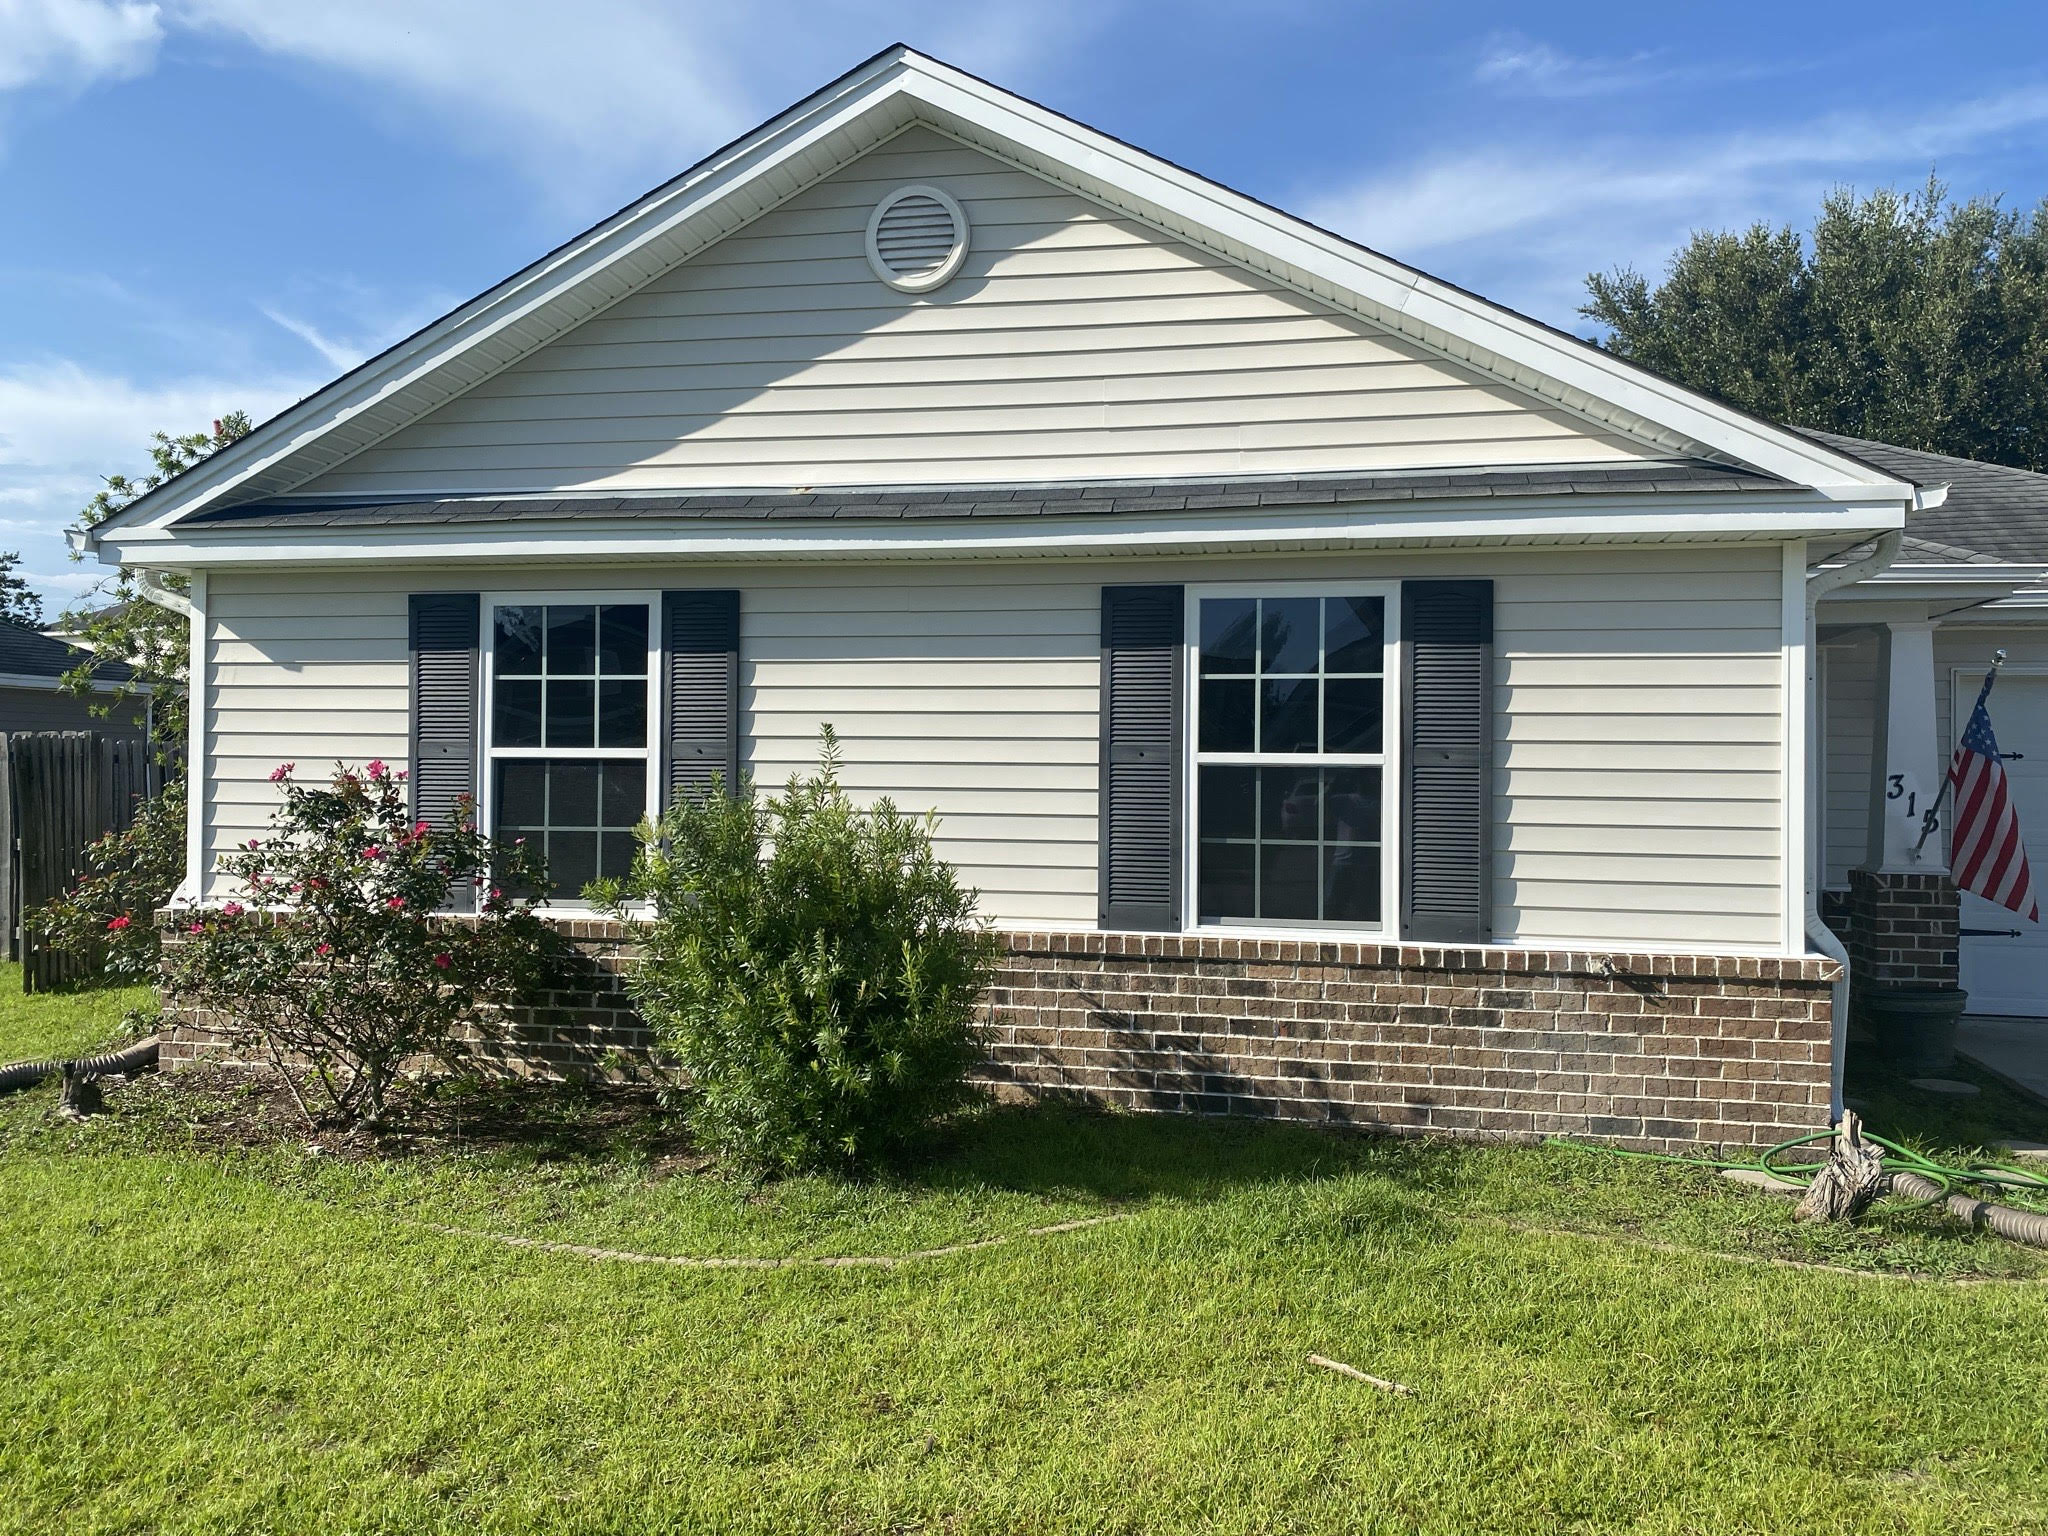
(61, 1024)
(199, 1338)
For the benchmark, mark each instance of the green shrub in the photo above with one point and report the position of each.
(109, 916)
(338, 962)
(814, 967)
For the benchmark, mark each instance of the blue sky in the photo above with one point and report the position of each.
(207, 204)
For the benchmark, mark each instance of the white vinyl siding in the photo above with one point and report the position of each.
(1639, 714)
(1074, 343)
(1849, 718)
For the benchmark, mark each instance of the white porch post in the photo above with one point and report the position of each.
(1908, 752)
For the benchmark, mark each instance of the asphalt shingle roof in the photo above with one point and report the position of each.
(1992, 511)
(26, 652)
(1090, 498)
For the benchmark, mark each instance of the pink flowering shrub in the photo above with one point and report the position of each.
(336, 959)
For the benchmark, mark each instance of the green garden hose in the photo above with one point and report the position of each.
(1913, 1173)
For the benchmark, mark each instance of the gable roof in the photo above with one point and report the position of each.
(28, 652)
(853, 114)
(1992, 512)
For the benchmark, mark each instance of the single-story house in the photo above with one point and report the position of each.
(32, 696)
(1351, 699)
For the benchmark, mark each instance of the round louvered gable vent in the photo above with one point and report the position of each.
(917, 238)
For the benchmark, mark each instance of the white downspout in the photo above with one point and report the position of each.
(151, 585)
(1818, 934)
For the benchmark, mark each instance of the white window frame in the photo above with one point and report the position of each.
(491, 753)
(1387, 760)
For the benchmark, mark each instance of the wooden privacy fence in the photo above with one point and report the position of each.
(62, 791)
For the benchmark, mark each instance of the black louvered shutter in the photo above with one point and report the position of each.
(700, 692)
(1143, 629)
(1447, 641)
(445, 640)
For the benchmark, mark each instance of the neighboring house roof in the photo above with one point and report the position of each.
(854, 115)
(1039, 500)
(29, 653)
(1993, 512)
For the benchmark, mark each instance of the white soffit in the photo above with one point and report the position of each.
(845, 120)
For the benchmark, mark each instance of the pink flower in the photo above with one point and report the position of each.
(282, 772)
(232, 909)
(373, 852)
(197, 928)
(496, 894)
(394, 903)
(323, 949)
(375, 768)
(117, 925)
(252, 845)
(420, 829)
(444, 960)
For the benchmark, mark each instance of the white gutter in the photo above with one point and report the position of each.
(1818, 934)
(151, 585)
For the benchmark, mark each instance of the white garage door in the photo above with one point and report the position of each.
(2010, 975)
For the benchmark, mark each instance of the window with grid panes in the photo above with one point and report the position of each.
(1289, 759)
(570, 740)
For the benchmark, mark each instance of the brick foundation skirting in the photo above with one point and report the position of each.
(1663, 1051)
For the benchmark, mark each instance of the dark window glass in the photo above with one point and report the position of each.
(1287, 714)
(1351, 805)
(1289, 884)
(516, 714)
(1226, 709)
(515, 649)
(577, 815)
(572, 860)
(572, 640)
(522, 794)
(1354, 634)
(1229, 805)
(1289, 804)
(1351, 885)
(572, 712)
(622, 713)
(623, 798)
(1229, 626)
(1290, 634)
(622, 640)
(1226, 883)
(1351, 714)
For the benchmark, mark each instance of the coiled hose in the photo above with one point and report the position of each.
(133, 1058)
(1913, 1173)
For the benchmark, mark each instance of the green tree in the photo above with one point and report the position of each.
(20, 603)
(117, 623)
(1904, 317)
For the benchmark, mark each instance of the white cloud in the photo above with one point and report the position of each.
(1525, 223)
(63, 427)
(1524, 66)
(607, 88)
(75, 42)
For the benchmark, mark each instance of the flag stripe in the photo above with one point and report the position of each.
(1987, 853)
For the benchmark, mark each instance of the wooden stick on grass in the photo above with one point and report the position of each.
(1356, 1374)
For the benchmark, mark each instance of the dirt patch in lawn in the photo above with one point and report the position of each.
(218, 1108)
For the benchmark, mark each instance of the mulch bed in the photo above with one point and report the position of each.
(226, 1108)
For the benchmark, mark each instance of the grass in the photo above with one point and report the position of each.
(206, 1332)
(48, 1024)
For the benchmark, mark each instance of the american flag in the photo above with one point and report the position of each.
(1986, 853)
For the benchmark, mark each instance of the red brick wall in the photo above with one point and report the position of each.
(1900, 929)
(1654, 1050)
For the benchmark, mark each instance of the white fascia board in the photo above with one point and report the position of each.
(49, 684)
(1933, 583)
(1494, 521)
